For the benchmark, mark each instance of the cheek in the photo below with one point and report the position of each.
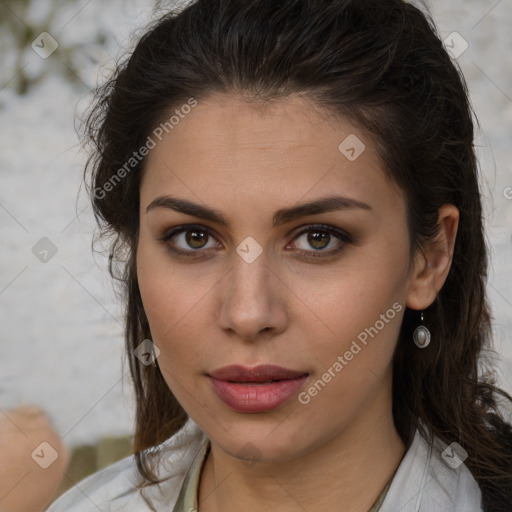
(172, 302)
(361, 307)
(161, 287)
(354, 295)
(352, 366)
(172, 322)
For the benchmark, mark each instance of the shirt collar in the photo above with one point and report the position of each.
(187, 498)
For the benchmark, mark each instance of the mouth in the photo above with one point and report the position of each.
(259, 389)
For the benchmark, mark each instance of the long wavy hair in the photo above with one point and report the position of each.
(381, 65)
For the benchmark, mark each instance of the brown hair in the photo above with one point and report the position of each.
(381, 64)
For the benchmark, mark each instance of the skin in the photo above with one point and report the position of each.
(247, 160)
(25, 486)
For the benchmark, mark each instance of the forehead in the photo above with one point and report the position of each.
(253, 151)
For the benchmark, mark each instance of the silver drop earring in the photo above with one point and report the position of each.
(421, 335)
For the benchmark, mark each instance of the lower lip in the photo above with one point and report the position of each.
(256, 397)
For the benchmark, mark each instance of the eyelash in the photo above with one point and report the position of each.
(344, 237)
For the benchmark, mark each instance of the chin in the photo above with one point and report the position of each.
(265, 441)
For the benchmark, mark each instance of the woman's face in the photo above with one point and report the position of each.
(318, 291)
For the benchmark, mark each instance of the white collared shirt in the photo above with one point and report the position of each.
(423, 482)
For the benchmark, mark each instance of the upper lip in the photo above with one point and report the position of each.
(261, 373)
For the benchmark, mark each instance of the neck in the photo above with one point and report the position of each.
(351, 469)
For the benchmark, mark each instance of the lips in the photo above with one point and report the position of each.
(261, 373)
(257, 389)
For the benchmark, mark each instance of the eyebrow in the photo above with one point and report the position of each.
(321, 205)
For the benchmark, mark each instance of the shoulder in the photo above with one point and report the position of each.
(433, 479)
(115, 488)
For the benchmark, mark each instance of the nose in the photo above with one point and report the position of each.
(252, 301)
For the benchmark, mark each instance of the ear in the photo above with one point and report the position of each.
(431, 266)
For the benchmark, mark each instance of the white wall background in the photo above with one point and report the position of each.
(61, 333)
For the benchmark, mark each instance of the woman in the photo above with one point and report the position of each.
(293, 192)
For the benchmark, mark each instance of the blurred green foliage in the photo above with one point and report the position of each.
(21, 22)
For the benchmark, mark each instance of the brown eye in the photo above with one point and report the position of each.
(319, 238)
(189, 241)
(195, 239)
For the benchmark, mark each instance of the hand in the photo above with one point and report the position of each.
(25, 486)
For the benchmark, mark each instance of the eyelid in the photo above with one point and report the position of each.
(343, 237)
(338, 232)
(183, 229)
